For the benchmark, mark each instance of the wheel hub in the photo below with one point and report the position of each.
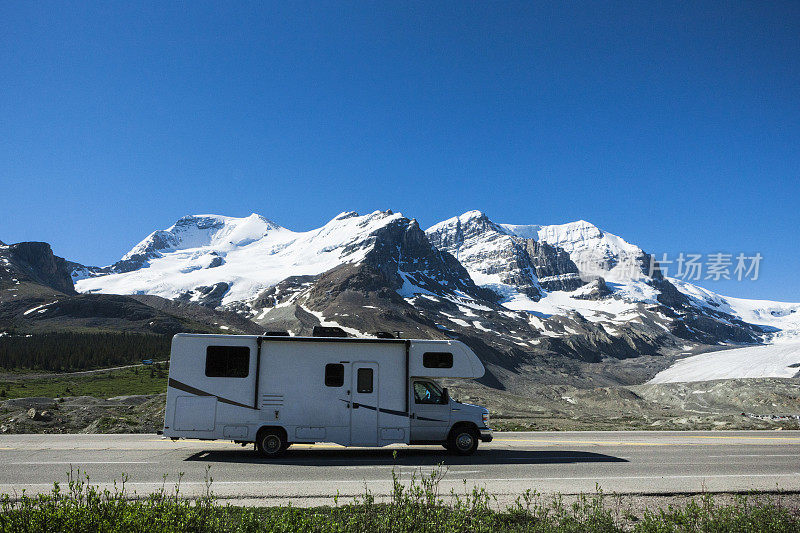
(272, 444)
(464, 441)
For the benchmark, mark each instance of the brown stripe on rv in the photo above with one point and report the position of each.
(175, 384)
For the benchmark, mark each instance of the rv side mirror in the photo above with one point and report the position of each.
(445, 396)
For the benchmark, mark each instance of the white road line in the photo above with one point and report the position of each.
(484, 480)
(477, 480)
(404, 469)
(18, 486)
(79, 462)
(391, 462)
(757, 455)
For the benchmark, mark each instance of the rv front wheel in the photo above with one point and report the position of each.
(462, 440)
(271, 443)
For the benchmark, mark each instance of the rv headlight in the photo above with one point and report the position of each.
(485, 417)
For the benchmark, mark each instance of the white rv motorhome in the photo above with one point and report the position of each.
(277, 390)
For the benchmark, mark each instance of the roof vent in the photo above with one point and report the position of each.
(328, 331)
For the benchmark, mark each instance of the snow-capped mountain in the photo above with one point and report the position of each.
(37, 297)
(516, 293)
(616, 282)
(491, 255)
(225, 260)
(778, 319)
(245, 255)
(573, 267)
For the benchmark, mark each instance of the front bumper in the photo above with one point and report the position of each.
(486, 434)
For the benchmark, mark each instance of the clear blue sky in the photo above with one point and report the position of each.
(676, 126)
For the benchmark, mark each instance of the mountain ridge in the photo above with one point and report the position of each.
(536, 302)
(533, 261)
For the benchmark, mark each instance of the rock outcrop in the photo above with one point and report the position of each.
(35, 262)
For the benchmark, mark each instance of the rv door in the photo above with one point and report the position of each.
(430, 417)
(364, 405)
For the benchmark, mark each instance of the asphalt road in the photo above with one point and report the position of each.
(567, 462)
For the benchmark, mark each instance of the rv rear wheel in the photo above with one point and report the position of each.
(271, 443)
(462, 440)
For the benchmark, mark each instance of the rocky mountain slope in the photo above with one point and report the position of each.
(578, 268)
(37, 296)
(28, 267)
(541, 303)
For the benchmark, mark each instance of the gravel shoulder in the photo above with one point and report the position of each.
(83, 414)
(764, 403)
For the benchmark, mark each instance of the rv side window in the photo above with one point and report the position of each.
(426, 392)
(334, 375)
(437, 360)
(227, 361)
(364, 384)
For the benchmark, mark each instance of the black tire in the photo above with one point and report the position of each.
(462, 440)
(271, 443)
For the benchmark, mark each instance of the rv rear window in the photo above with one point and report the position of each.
(364, 381)
(227, 361)
(334, 375)
(437, 360)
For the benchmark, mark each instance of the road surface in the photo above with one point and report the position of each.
(629, 462)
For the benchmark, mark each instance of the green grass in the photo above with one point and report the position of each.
(139, 380)
(415, 506)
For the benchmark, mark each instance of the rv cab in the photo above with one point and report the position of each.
(434, 412)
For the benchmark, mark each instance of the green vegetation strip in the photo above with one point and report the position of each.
(415, 506)
(150, 379)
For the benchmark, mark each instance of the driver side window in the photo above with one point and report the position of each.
(425, 392)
